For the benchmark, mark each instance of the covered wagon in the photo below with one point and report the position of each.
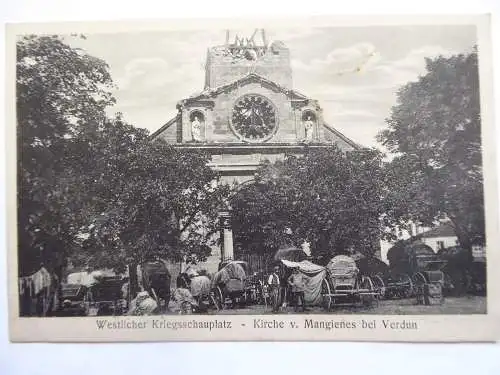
(314, 277)
(155, 279)
(345, 285)
(229, 284)
(199, 285)
(418, 271)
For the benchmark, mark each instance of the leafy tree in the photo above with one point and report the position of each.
(147, 198)
(95, 190)
(435, 133)
(330, 199)
(58, 89)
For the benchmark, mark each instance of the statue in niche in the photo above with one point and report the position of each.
(196, 129)
(309, 129)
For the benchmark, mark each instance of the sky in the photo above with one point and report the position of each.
(354, 72)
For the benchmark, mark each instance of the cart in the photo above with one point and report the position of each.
(343, 285)
(419, 272)
(314, 276)
(230, 285)
(395, 286)
(200, 287)
(108, 297)
(428, 285)
(156, 281)
(74, 299)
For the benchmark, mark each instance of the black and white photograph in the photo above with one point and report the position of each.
(332, 173)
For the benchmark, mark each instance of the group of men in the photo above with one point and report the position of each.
(296, 281)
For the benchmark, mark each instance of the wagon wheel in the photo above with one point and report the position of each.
(410, 289)
(261, 299)
(326, 294)
(419, 281)
(366, 285)
(213, 300)
(244, 298)
(381, 287)
(218, 298)
(86, 304)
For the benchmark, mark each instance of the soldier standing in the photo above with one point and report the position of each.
(274, 283)
(297, 282)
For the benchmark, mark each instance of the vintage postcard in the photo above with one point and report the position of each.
(325, 178)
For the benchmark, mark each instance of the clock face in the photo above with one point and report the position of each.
(254, 118)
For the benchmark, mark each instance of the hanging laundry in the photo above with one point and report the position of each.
(41, 280)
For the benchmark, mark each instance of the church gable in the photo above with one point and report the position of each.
(218, 114)
(248, 100)
(211, 92)
(225, 112)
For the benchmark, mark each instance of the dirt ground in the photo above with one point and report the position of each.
(452, 305)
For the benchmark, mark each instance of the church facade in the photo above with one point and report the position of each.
(248, 112)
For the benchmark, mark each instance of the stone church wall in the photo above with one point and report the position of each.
(220, 131)
(275, 66)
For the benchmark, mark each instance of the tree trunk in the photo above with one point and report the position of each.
(133, 281)
(463, 237)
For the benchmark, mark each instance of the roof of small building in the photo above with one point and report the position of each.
(443, 230)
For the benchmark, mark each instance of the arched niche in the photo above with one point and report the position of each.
(309, 120)
(197, 121)
(309, 113)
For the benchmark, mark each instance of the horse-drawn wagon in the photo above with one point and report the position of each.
(345, 285)
(415, 271)
(339, 283)
(231, 284)
(108, 297)
(153, 277)
(199, 286)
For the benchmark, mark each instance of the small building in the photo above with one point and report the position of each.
(440, 237)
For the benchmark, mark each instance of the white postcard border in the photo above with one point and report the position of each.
(429, 328)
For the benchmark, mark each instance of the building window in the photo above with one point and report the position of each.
(440, 245)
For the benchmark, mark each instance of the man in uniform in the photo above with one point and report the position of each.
(297, 282)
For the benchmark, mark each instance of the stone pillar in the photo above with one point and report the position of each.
(226, 236)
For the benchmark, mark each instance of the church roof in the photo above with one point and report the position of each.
(169, 123)
(210, 92)
(349, 141)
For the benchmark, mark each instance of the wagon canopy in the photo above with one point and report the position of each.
(200, 286)
(372, 266)
(313, 275)
(410, 257)
(402, 251)
(232, 270)
(292, 254)
(155, 274)
(71, 291)
(108, 289)
(306, 267)
(342, 265)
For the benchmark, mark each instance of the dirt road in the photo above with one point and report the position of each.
(452, 305)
